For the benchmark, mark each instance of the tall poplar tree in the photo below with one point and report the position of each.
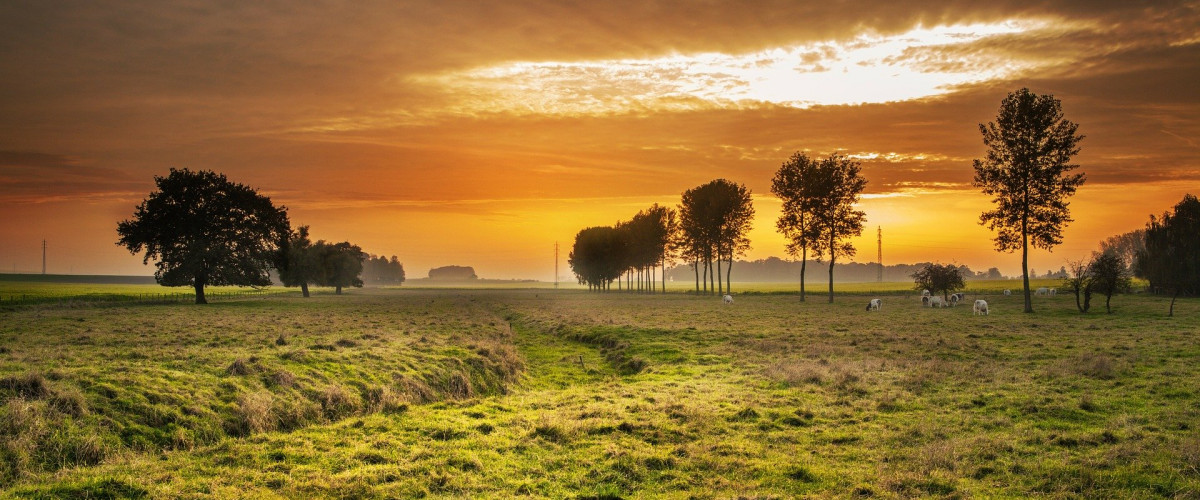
(1027, 171)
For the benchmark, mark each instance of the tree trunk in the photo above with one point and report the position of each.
(803, 265)
(199, 285)
(1107, 299)
(1025, 262)
(1171, 311)
(728, 271)
(720, 282)
(304, 289)
(696, 269)
(832, 258)
(337, 290)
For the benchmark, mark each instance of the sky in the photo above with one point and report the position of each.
(473, 133)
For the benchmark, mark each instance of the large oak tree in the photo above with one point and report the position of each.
(1027, 171)
(202, 229)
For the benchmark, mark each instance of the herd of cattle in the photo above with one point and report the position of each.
(930, 300)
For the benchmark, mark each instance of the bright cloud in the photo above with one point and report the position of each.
(866, 69)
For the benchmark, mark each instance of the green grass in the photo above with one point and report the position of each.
(500, 393)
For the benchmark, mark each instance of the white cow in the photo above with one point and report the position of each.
(1042, 291)
(936, 301)
(1007, 292)
(728, 299)
(874, 305)
(981, 307)
(925, 301)
(925, 293)
(1053, 292)
(955, 298)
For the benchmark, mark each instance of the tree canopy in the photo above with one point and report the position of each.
(796, 185)
(1027, 171)
(836, 218)
(299, 263)
(714, 219)
(1171, 258)
(202, 229)
(341, 263)
(939, 278)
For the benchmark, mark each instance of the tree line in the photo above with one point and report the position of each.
(203, 230)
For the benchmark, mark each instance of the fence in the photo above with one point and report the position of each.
(129, 298)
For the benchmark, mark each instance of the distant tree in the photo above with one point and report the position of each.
(993, 274)
(453, 273)
(598, 257)
(1109, 276)
(836, 219)
(1027, 172)
(1171, 259)
(1126, 246)
(202, 229)
(342, 265)
(299, 264)
(797, 186)
(1079, 282)
(937, 278)
(379, 270)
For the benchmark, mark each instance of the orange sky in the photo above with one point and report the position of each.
(453, 133)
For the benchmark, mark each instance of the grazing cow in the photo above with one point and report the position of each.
(728, 299)
(1007, 292)
(925, 300)
(925, 293)
(874, 305)
(981, 307)
(936, 301)
(1053, 292)
(955, 298)
(1042, 291)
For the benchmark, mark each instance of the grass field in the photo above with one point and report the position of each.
(505, 392)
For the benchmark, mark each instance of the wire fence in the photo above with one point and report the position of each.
(128, 298)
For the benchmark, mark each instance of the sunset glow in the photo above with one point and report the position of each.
(869, 68)
(468, 134)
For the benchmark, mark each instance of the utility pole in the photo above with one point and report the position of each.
(43, 257)
(879, 235)
(556, 264)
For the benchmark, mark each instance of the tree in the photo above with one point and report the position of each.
(598, 256)
(1126, 246)
(837, 221)
(1171, 259)
(936, 278)
(1027, 173)
(298, 263)
(795, 185)
(1109, 276)
(202, 229)
(993, 273)
(341, 264)
(1079, 282)
(714, 219)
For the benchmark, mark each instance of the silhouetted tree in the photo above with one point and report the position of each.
(1079, 282)
(1171, 259)
(204, 230)
(796, 183)
(993, 273)
(1109, 276)
(598, 256)
(299, 264)
(714, 219)
(936, 278)
(342, 263)
(836, 219)
(1027, 172)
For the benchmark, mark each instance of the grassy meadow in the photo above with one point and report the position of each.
(533, 392)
